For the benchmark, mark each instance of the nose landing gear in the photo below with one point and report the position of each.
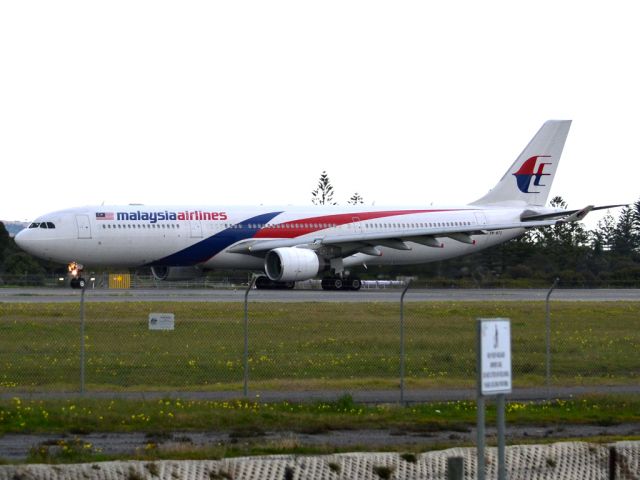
(75, 270)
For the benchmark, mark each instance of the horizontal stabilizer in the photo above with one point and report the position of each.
(577, 215)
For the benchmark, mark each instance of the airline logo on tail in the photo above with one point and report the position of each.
(527, 172)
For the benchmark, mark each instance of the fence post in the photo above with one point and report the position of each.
(480, 421)
(404, 292)
(548, 340)
(82, 290)
(245, 389)
(455, 468)
(500, 406)
(613, 460)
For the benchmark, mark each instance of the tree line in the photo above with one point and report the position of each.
(15, 263)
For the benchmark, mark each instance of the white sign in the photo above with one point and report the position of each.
(495, 354)
(161, 321)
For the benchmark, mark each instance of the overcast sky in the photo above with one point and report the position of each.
(406, 103)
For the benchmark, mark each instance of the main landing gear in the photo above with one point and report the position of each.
(75, 270)
(265, 283)
(340, 283)
(328, 283)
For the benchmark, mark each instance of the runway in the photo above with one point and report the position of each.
(56, 295)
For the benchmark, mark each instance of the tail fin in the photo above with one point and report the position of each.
(528, 180)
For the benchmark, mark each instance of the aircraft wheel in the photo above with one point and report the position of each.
(265, 283)
(327, 283)
(262, 282)
(337, 283)
(355, 284)
(74, 283)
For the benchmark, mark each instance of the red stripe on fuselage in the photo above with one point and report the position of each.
(304, 226)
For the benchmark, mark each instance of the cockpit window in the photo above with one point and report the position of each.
(42, 225)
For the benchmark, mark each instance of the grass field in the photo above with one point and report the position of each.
(97, 415)
(249, 420)
(307, 346)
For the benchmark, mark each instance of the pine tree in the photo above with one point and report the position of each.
(602, 236)
(625, 234)
(565, 235)
(323, 195)
(355, 199)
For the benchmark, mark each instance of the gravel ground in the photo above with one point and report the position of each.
(16, 447)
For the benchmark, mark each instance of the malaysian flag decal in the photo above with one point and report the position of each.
(104, 215)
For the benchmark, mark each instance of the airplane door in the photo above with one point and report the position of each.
(84, 227)
(357, 226)
(480, 218)
(196, 228)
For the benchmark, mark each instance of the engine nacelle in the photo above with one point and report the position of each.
(289, 264)
(176, 273)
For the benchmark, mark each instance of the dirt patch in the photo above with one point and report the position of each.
(16, 447)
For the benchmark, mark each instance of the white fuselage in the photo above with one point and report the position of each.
(132, 236)
(297, 243)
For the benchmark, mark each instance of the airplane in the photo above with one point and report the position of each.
(290, 244)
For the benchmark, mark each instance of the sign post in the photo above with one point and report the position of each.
(494, 378)
(162, 321)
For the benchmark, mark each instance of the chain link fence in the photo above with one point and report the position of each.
(311, 347)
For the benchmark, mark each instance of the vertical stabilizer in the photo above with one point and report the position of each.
(528, 180)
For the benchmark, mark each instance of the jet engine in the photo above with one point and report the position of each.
(176, 273)
(289, 264)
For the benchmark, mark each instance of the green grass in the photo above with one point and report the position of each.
(301, 346)
(247, 421)
(244, 418)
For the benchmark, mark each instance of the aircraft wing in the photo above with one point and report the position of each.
(338, 244)
(391, 238)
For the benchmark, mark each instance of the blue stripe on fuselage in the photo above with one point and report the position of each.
(209, 247)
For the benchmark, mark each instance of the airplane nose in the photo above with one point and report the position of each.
(22, 240)
(19, 238)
